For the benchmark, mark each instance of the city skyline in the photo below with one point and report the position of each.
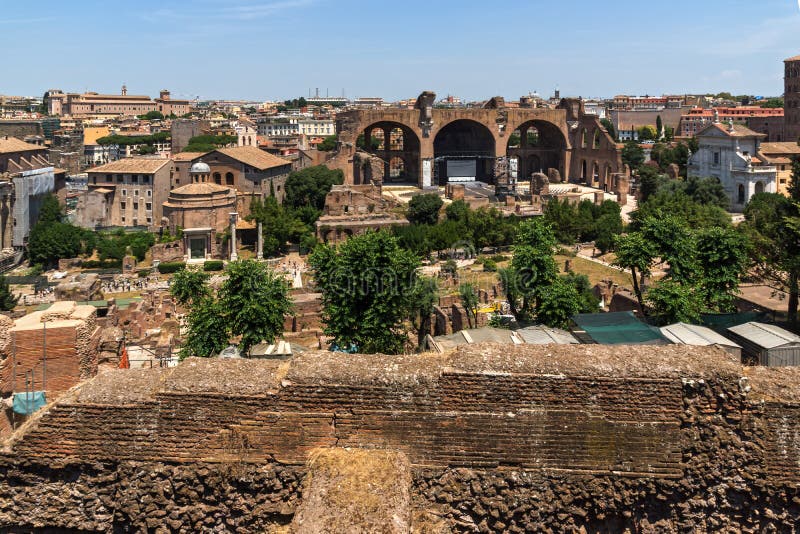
(263, 50)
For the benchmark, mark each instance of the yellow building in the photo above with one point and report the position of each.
(780, 155)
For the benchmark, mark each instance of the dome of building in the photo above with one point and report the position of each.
(200, 168)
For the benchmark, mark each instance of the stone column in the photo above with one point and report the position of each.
(387, 139)
(234, 217)
(260, 243)
(8, 224)
(367, 138)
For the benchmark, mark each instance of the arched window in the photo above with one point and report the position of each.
(217, 178)
(596, 141)
(741, 194)
(759, 187)
(584, 139)
(228, 178)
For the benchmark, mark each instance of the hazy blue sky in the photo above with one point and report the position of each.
(269, 49)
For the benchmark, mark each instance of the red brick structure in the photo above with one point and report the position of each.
(421, 141)
(49, 351)
(524, 438)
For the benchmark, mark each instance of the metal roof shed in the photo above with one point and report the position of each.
(616, 328)
(699, 336)
(771, 345)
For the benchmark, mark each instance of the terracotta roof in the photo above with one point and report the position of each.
(795, 58)
(738, 130)
(187, 156)
(782, 149)
(10, 145)
(205, 188)
(137, 165)
(253, 156)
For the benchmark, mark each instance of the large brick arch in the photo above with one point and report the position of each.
(426, 121)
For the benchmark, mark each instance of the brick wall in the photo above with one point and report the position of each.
(604, 438)
(63, 367)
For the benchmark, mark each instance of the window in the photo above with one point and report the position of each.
(135, 178)
(122, 205)
(148, 206)
(123, 218)
(136, 193)
(135, 206)
(119, 178)
(716, 158)
(110, 177)
(145, 179)
(124, 192)
(150, 192)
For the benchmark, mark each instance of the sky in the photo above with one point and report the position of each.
(279, 49)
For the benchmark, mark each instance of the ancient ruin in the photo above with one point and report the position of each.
(430, 146)
(488, 438)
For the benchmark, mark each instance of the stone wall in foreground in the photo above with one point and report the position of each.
(499, 439)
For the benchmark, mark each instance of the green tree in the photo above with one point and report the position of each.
(672, 301)
(609, 126)
(207, 329)
(309, 186)
(633, 155)
(676, 246)
(532, 268)
(375, 143)
(772, 103)
(722, 259)
(609, 226)
(257, 302)
(424, 209)
(469, 299)
(51, 241)
(650, 180)
(659, 127)
(366, 284)
(209, 142)
(457, 211)
(647, 133)
(775, 250)
(152, 115)
(559, 301)
(794, 183)
(189, 286)
(636, 254)
(424, 297)
(328, 144)
(50, 210)
(7, 299)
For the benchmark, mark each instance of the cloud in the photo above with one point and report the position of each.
(770, 35)
(239, 11)
(26, 21)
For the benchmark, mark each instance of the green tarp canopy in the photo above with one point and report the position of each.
(617, 328)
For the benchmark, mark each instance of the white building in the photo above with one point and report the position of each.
(731, 153)
(316, 127)
(284, 126)
(246, 132)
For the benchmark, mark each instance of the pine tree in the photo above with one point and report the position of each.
(7, 299)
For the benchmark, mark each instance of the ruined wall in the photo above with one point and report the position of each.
(499, 439)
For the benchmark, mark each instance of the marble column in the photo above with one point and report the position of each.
(234, 255)
(260, 243)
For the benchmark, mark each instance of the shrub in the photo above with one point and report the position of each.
(213, 265)
(101, 264)
(497, 258)
(170, 267)
(143, 273)
(490, 266)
